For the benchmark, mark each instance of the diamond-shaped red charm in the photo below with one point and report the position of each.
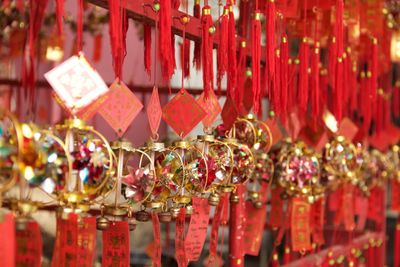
(183, 113)
(121, 107)
(154, 111)
(211, 106)
(76, 83)
(229, 113)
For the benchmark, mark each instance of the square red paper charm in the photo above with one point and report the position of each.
(121, 107)
(154, 111)
(183, 113)
(211, 106)
(76, 83)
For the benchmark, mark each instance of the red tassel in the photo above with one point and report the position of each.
(147, 48)
(303, 75)
(79, 27)
(244, 17)
(241, 77)
(339, 27)
(176, 3)
(59, 16)
(232, 67)
(166, 55)
(396, 254)
(207, 51)
(270, 36)
(354, 87)
(284, 73)
(97, 47)
(275, 259)
(185, 57)
(118, 27)
(287, 253)
(197, 45)
(396, 100)
(293, 73)
(332, 60)
(223, 47)
(315, 87)
(277, 90)
(256, 53)
(374, 71)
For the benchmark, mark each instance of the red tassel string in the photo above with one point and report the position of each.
(167, 57)
(97, 47)
(197, 45)
(232, 67)
(396, 254)
(79, 27)
(354, 88)
(147, 48)
(256, 53)
(324, 81)
(338, 90)
(396, 100)
(36, 15)
(303, 75)
(366, 103)
(332, 59)
(374, 73)
(277, 90)
(284, 73)
(59, 16)
(185, 57)
(270, 38)
(244, 18)
(176, 3)
(118, 28)
(293, 73)
(207, 50)
(275, 259)
(315, 87)
(223, 47)
(241, 77)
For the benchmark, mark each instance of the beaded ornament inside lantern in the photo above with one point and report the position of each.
(219, 160)
(342, 161)
(168, 165)
(193, 176)
(90, 164)
(10, 150)
(299, 172)
(132, 185)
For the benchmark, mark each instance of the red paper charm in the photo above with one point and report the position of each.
(121, 107)
(180, 253)
(116, 245)
(154, 111)
(29, 246)
(183, 113)
(300, 225)
(254, 228)
(211, 106)
(7, 240)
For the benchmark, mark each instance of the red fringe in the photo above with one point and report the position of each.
(197, 45)
(284, 73)
(207, 51)
(232, 67)
(223, 48)
(241, 77)
(59, 16)
(185, 57)
(256, 65)
(277, 90)
(97, 47)
(315, 86)
(147, 48)
(303, 75)
(166, 55)
(270, 36)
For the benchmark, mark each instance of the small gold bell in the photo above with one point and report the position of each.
(102, 223)
(132, 224)
(213, 199)
(142, 216)
(165, 216)
(189, 210)
(234, 198)
(257, 204)
(175, 212)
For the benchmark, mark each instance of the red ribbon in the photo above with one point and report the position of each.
(180, 253)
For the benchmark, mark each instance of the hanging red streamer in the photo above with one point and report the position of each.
(185, 57)
(197, 45)
(315, 86)
(223, 47)
(270, 38)
(232, 67)
(167, 57)
(59, 16)
(284, 73)
(207, 50)
(147, 48)
(238, 97)
(303, 75)
(256, 64)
